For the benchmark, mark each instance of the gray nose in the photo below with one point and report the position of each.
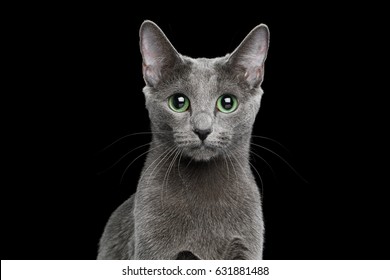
(202, 133)
(202, 125)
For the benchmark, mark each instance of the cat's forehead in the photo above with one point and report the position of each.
(203, 77)
(207, 76)
(203, 69)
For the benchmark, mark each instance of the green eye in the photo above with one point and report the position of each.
(179, 103)
(227, 103)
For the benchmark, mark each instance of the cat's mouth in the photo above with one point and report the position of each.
(203, 147)
(203, 151)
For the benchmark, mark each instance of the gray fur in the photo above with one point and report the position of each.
(195, 199)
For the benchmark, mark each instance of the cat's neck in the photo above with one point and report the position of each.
(217, 174)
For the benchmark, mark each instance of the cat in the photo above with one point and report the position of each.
(197, 197)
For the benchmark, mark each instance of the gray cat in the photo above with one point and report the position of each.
(197, 197)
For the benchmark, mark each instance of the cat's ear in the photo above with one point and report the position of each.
(158, 54)
(248, 58)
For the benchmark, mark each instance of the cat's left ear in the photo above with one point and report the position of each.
(249, 57)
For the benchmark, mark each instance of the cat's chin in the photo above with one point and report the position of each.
(202, 153)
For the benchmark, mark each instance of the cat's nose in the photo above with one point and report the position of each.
(202, 124)
(202, 133)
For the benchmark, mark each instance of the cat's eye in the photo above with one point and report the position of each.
(227, 103)
(179, 103)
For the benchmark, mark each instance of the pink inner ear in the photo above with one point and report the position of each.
(148, 54)
(152, 61)
(253, 75)
(151, 74)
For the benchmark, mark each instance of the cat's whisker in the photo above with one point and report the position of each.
(281, 158)
(124, 172)
(261, 180)
(188, 164)
(165, 181)
(178, 165)
(150, 165)
(270, 167)
(231, 162)
(122, 157)
(133, 134)
(227, 168)
(184, 181)
(215, 163)
(272, 140)
(162, 158)
(172, 163)
(234, 155)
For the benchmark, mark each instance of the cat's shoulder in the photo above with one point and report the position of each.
(115, 242)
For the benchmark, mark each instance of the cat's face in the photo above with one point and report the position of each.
(203, 107)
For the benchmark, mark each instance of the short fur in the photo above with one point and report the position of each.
(196, 199)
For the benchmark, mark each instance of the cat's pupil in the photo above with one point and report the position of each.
(227, 102)
(178, 101)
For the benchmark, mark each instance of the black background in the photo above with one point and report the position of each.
(77, 87)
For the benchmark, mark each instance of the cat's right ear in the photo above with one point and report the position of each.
(158, 54)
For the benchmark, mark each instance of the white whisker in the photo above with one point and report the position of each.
(280, 157)
(178, 165)
(162, 157)
(231, 162)
(165, 181)
(270, 167)
(150, 165)
(261, 180)
(122, 157)
(234, 156)
(124, 172)
(227, 168)
(133, 134)
(272, 140)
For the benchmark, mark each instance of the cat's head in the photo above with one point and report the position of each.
(204, 107)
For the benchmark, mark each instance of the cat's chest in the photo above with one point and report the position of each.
(198, 220)
(187, 209)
